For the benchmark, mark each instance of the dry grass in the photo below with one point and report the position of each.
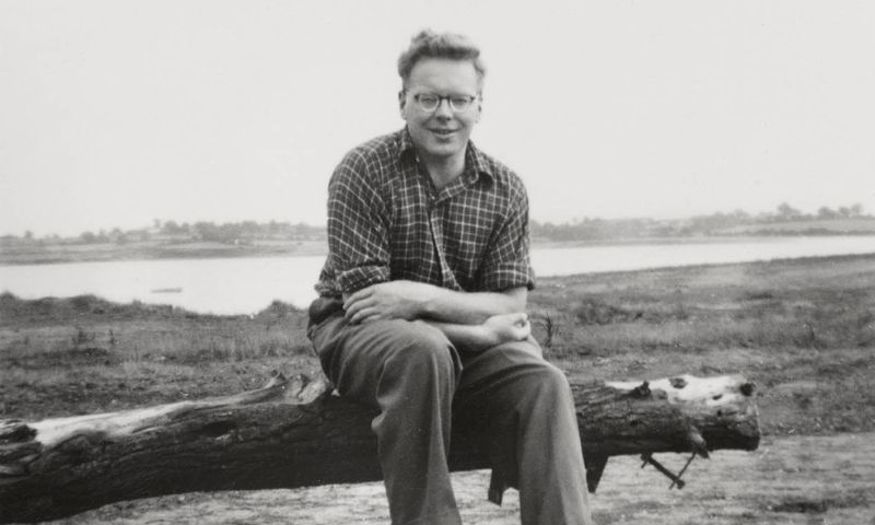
(81, 355)
(803, 330)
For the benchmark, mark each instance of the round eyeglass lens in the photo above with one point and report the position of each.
(428, 102)
(460, 103)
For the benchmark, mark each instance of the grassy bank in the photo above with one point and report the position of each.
(84, 354)
(46, 252)
(803, 329)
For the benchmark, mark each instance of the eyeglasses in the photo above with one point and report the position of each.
(429, 102)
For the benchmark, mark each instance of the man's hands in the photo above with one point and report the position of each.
(389, 300)
(415, 300)
(496, 330)
(506, 328)
(409, 299)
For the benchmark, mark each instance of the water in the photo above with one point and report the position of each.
(247, 285)
(594, 259)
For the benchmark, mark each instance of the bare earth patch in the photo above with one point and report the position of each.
(803, 330)
(789, 480)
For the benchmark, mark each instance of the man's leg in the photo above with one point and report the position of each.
(524, 405)
(409, 371)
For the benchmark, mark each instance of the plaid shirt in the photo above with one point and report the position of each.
(387, 222)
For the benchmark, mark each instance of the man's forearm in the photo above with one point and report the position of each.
(414, 300)
(496, 330)
(471, 307)
(471, 337)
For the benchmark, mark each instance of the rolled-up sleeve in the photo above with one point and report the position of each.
(507, 263)
(357, 227)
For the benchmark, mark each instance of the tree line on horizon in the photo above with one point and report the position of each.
(719, 223)
(248, 232)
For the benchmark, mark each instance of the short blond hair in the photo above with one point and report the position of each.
(430, 44)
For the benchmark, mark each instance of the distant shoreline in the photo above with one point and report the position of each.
(248, 239)
(151, 251)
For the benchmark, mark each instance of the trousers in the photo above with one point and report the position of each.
(518, 406)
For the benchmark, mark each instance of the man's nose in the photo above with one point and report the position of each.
(444, 110)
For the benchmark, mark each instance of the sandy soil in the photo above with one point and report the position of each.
(789, 480)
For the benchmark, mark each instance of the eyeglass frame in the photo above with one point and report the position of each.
(440, 98)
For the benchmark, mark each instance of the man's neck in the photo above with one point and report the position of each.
(443, 170)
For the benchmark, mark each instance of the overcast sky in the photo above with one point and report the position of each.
(115, 113)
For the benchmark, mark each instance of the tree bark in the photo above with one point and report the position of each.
(296, 433)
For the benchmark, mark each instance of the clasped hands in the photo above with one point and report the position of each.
(408, 299)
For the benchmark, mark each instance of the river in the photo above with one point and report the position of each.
(247, 285)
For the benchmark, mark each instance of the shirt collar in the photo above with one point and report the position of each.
(475, 161)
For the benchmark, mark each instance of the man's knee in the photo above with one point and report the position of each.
(539, 389)
(555, 376)
(551, 381)
(422, 351)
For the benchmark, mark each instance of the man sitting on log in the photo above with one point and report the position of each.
(422, 304)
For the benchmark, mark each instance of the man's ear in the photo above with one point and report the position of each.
(402, 102)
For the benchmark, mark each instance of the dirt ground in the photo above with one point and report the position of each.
(809, 480)
(802, 330)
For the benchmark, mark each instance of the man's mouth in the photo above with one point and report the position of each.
(443, 132)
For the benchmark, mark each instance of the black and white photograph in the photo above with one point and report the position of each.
(437, 262)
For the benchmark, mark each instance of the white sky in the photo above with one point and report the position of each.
(114, 113)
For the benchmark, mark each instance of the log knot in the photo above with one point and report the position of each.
(218, 428)
(641, 391)
(15, 431)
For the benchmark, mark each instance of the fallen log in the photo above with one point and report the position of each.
(296, 433)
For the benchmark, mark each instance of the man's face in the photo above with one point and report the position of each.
(443, 132)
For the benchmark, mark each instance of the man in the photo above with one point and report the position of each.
(422, 304)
